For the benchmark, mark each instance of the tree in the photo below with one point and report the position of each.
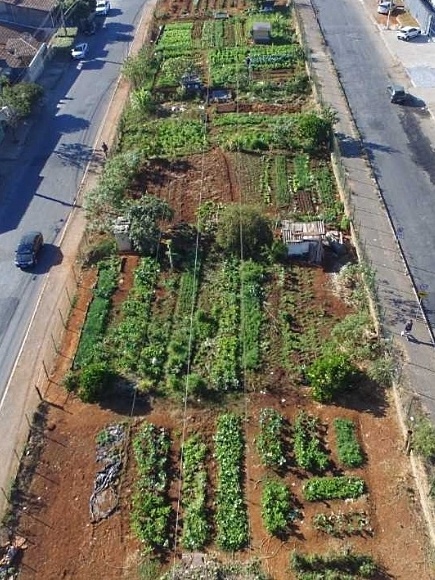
(20, 97)
(313, 131)
(242, 230)
(75, 11)
(108, 199)
(145, 215)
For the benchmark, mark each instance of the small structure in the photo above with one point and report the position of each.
(191, 82)
(304, 240)
(261, 32)
(121, 228)
(220, 96)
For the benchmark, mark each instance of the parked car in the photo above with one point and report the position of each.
(397, 93)
(27, 250)
(408, 33)
(79, 51)
(102, 8)
(386, 7)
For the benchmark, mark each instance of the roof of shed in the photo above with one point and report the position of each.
(299, 231)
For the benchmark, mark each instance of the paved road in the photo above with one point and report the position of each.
(51, 167)
(396, 138)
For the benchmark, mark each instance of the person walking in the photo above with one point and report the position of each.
(104, 148)
(406, 332)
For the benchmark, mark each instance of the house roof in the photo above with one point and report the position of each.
(261, 27)
(44, 5)
(17, 47)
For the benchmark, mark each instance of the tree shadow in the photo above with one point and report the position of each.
(74, 154)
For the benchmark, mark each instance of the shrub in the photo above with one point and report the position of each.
(329, 375)
(334, 566)
(94, 380)
(21, 97)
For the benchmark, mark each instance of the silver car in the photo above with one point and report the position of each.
(408, 33)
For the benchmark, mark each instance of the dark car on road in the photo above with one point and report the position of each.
(27, 250)
(397, 93)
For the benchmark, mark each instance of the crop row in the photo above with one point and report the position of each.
(151, 509)
(231, 513)
(307, 445)
(225, 369)
(195, 525)
(129, 337)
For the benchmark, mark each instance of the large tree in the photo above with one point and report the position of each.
(242, 230)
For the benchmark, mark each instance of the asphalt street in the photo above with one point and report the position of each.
(40, 192)
(397, 139)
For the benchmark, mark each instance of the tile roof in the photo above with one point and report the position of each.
(17, 47)
(45, 5)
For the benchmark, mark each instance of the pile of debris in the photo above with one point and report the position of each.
(9, 554)
(109, 455)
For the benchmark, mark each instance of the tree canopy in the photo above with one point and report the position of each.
(242, 230)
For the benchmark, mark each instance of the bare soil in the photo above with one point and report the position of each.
(54, 513)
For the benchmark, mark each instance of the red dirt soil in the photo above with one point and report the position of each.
(63, 543)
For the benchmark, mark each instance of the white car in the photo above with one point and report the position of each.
(386, 7)
(102, 8)
(408, 33)
(79, 51)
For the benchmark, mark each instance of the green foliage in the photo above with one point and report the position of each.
(354, 336)
(108, 199)
(423, 438)
(329, 375)
(334, 566)
(225, 366)
(170, 137)
(307, 445)
(195, 527)
(231, 515)
(20, 97)
(71, 381)
(382, 370)
(129, 337)
(145, 215)
(141, 68)
(348, 447)
(275, 507)
(77, 11)
(243, 231)
(251, 277)
(270, 444)
(151, 509)
(324, 488)
(94, 381)
(100, 251)
(90, 345)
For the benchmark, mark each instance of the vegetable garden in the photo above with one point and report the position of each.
(239, 445)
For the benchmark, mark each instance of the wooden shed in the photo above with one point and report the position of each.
(304, 240)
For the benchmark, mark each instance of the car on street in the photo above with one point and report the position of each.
(80, 51)
(397, 94)
(386, 7)
(27, 249)
(408, 33)
(102, 8)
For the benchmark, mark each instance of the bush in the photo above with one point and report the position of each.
(94, 380)
(423, 438)
(71, 381)
(329, 375)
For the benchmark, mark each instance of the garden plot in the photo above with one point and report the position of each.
(230, 450)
